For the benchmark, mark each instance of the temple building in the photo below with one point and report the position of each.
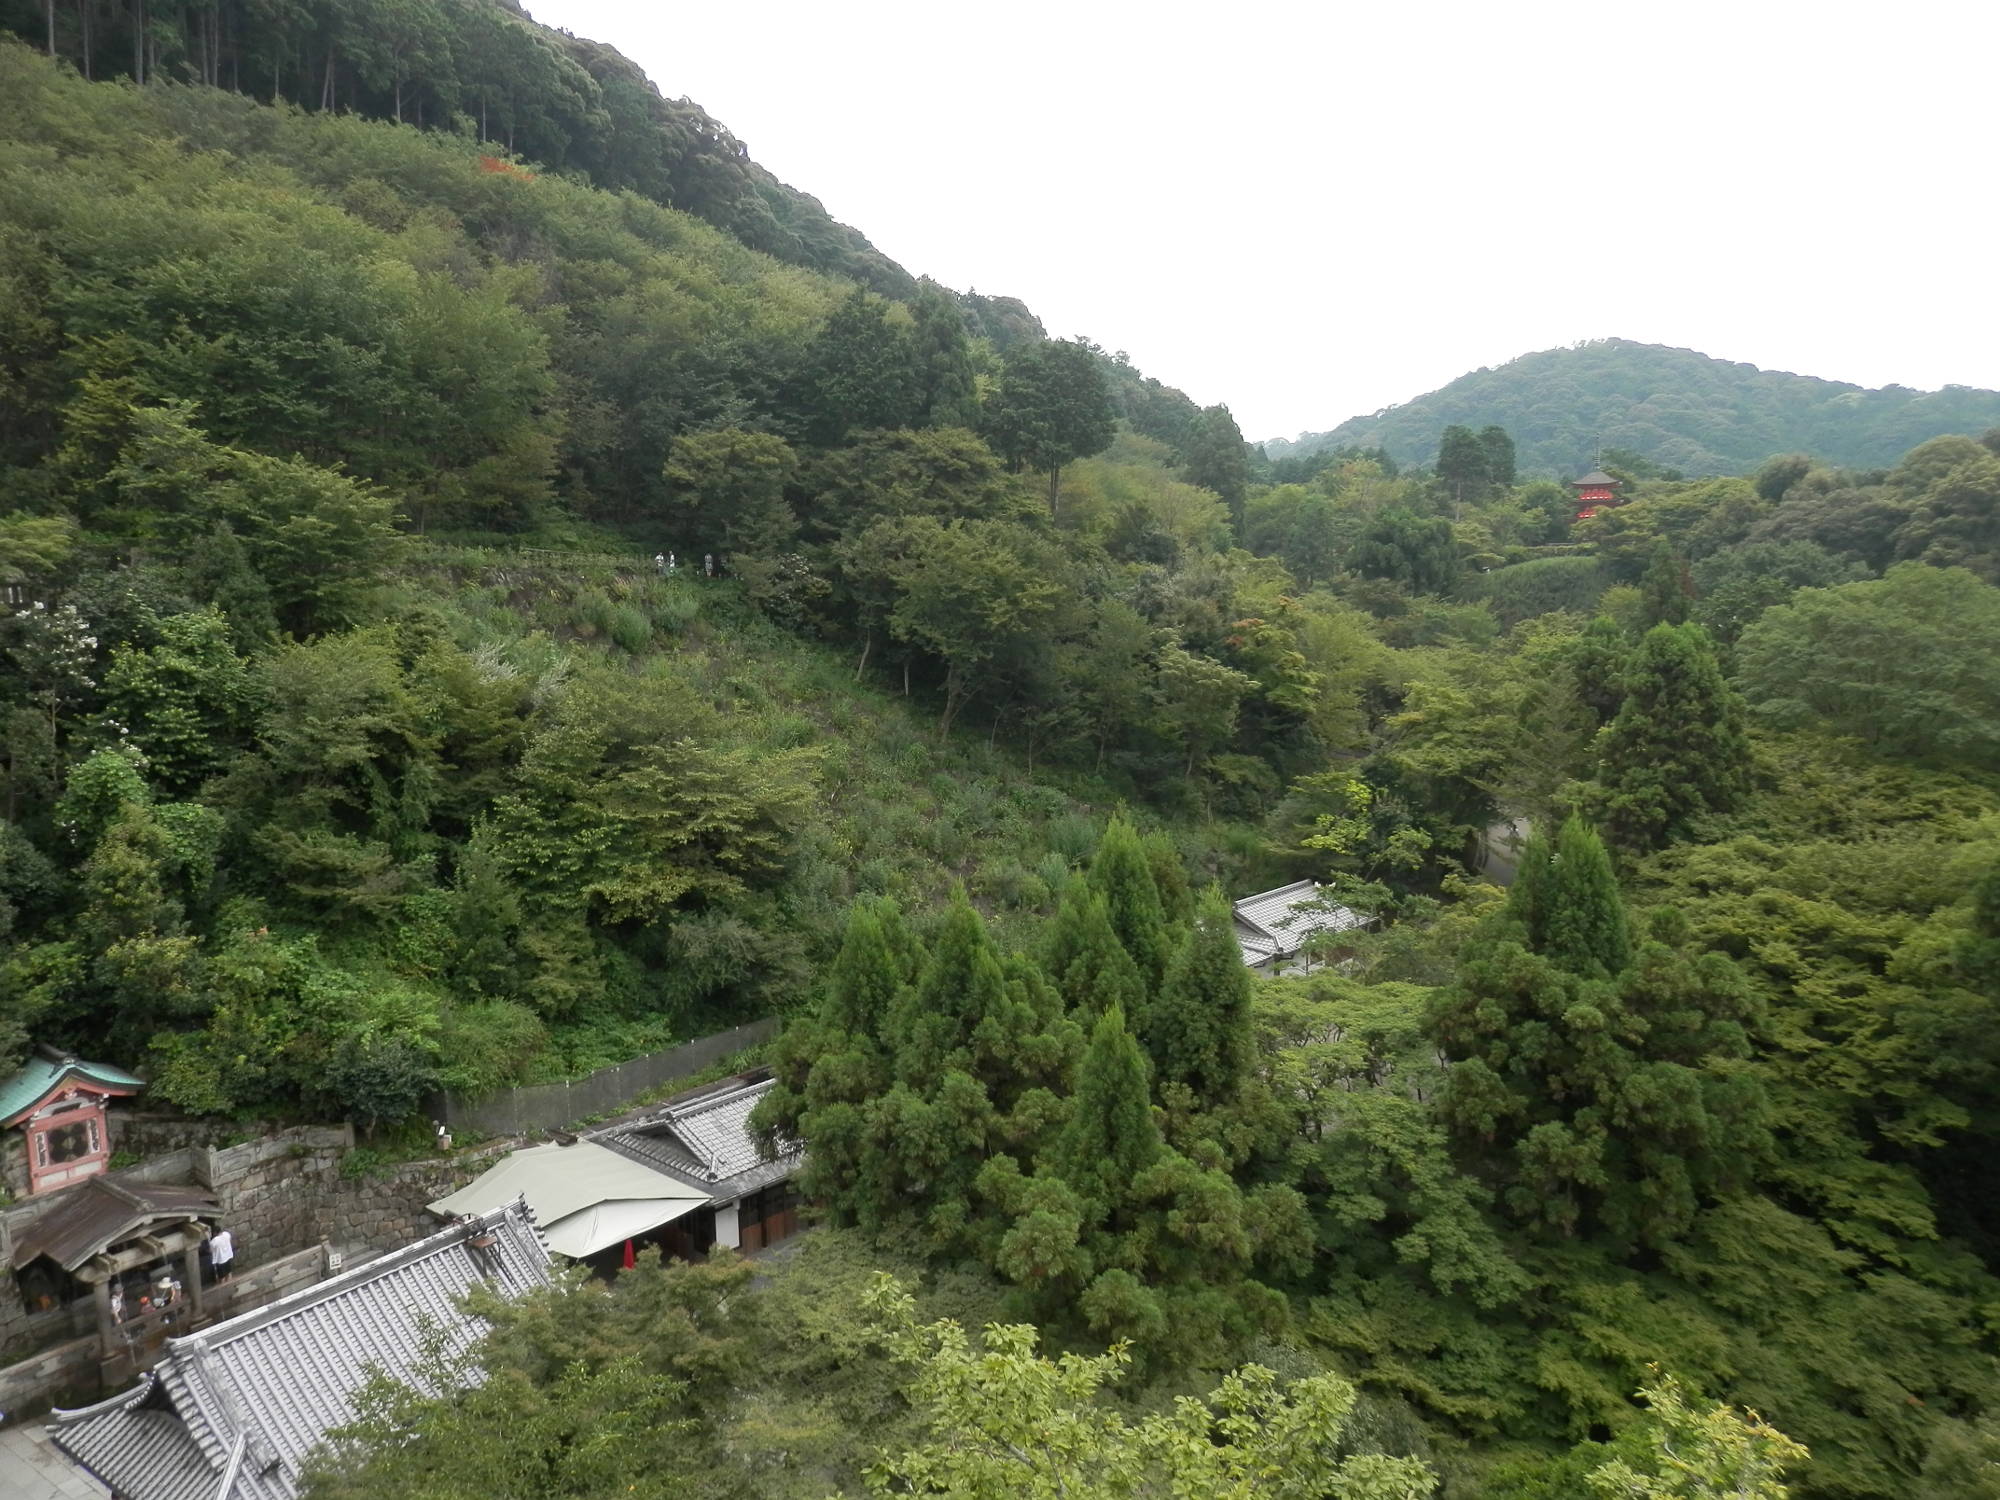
(58, 1102)
(231, 1412)
(1596, 491)
(683, 1176)
(1274, 927)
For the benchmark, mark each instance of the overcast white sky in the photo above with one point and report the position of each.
(1311, 211)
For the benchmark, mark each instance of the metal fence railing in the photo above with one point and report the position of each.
(550, 1106)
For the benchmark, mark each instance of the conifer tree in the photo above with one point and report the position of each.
(962, 984)
(1500, 459)
(1668, 591)
(1462, 465)
(1084, 958)
(1110, 1136)
(1170, 880)
(1581, 924)
(1197, 1030)
(1122, 874)
(1527, 897)
(862, 983)
(1677, 750)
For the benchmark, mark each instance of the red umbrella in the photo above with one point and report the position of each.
(631, 1260)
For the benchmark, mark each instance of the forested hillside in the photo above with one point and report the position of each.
(1673, 408)
(478, 67)
(465, 624)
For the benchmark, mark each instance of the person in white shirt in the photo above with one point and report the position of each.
(221, 1251)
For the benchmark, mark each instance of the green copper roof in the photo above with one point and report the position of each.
(46, 1072)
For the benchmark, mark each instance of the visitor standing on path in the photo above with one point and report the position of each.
(221, 1253)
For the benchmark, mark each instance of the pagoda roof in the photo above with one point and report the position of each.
(46, 1073)
(1596, 477)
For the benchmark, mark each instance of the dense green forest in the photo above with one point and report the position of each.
(1673, 408)
(479, 67)
(355, 744)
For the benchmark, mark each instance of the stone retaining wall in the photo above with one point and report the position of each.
(386, 1209)
(31, 1384)
(273, 1193)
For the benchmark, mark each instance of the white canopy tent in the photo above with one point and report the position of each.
(584, 1197)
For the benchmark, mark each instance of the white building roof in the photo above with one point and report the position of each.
(1276, 924)
(584, 1196)
(635, 1174)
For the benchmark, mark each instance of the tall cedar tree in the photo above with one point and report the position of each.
(1580, 922)
(1677, 750)
(1110, 1136)
(1597, 658)
(1122, 873)
(1667, 589)
(1499, 449)
(1617, 1105)
(962, 985)
(830, 1063)
(1084, 958)
(1197, 1029)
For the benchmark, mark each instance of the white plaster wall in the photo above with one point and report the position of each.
(726, 1230)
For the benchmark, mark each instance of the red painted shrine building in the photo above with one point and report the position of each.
(58, 1102)
(1596, 491)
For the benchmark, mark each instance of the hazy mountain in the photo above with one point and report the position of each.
(1677, 407)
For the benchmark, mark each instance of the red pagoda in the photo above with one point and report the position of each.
(1596, 491)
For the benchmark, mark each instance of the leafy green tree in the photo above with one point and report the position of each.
(1003, 1420)
(729, 487)
(1408, 550)
(1050, 407)
(1953, 486)
(1692, 1454)
(972, 592)
(1462, 464)
(186, 700)
(944, 473)
(861, 371)
(1216, 457)
(1677, 751)
(1734, 587)
(1908, 663)
(1196, 700)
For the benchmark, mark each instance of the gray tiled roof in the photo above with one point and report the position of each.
(704, 1139)
(1276, 924)
(107, 1211)
(255, 1394)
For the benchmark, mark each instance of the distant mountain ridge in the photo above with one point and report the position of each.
(1677, 407)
